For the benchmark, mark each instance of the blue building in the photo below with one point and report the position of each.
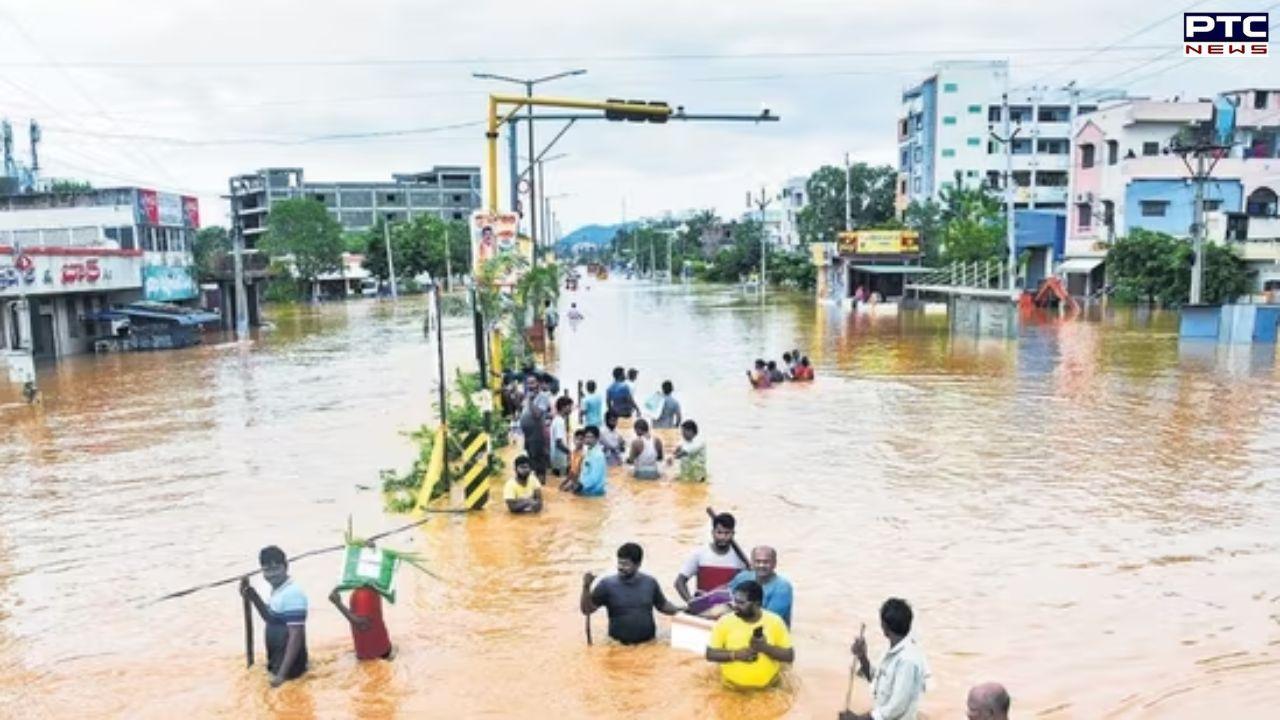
(1168, 205)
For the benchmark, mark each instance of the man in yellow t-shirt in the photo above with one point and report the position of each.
(751, 643)
(523, 493)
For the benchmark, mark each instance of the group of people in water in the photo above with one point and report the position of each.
(749, 601)
(750, 641)
(766, 374)
(578, 458)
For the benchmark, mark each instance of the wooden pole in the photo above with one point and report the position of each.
(248, 632)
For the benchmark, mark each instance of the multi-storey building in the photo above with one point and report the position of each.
(945, 134)
(450, 192)
(1125, 175)
(794, 197)
(73, 254)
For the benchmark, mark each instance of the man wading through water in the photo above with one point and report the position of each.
(285, 615)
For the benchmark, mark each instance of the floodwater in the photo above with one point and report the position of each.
(1087, 514)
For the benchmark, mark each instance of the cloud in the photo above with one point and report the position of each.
(833, 70)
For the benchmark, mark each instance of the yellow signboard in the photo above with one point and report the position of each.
(879, 242)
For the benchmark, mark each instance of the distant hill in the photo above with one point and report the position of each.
(591, 235)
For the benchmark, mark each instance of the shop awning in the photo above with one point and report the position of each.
(892, 269)
(1079, 266)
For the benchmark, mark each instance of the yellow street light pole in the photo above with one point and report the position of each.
(496, 102)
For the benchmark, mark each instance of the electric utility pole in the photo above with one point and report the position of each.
(848, 194)
(237, 252)
(762, 203)
(1007, 141)
(391, 264)
(1202, 152)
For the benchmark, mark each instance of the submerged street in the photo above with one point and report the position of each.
(1086, 514)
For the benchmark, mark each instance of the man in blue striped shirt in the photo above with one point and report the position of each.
(285, 615)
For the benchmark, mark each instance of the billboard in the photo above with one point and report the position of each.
(163, 283)
(162, 208)
(191, 212)
(879, 242)
(494, 235)
(148, 210)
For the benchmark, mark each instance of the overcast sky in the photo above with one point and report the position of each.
(172, 94)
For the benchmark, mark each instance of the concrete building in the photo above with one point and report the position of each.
(945, 129)
(451, 192)
(1124, 176)
(794, 197)
(72, 255)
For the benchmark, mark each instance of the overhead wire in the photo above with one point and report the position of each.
(75, 84)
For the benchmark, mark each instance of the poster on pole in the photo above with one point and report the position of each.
(493, 235)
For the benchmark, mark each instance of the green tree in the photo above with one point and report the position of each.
(210, 245)
(872, 191)
(973, 224)
(1155, 267)
(419, 247)
(303, 230)
(926, 218)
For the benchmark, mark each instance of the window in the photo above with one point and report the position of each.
(993, 113)
(1051, 178)
(1260, 99)
(949, 87)
(1109, 213)
(1020, 113)
(948, 152)
(1113, 152)
(991, 147)
(1022, 178)
(1052, 146)
(1086, 155)
(973, 142)
(1054, 113)
(1212, 205)
(971, 173)
(1084, 216)
(916, 185)
(456, 198)
(1021, 146)
(1085, 109)
(949, 120)
(975, 109)
(993, 179)
(918, 154)
(1150, 148)
(457, 216)
(1153, 208)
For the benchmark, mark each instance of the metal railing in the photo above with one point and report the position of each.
(989, 275)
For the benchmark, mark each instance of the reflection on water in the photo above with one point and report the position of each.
(1086, 514)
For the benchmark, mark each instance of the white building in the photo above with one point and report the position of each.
(72, 255)
(793, 197)
(946, 126)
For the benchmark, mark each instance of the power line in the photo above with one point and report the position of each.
(1163, 56)
(471, 61)
(332, 137)
(1145, 29)
(80, 89)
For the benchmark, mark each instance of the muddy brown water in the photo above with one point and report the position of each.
(1088, 515)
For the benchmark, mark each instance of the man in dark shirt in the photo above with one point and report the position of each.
(618, 397)
(630, 598)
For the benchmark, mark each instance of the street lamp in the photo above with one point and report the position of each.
(540, 163)
(528, 90)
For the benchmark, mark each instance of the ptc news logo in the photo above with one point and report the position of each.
(1223, 34)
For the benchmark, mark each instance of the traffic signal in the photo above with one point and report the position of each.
(635, 116)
